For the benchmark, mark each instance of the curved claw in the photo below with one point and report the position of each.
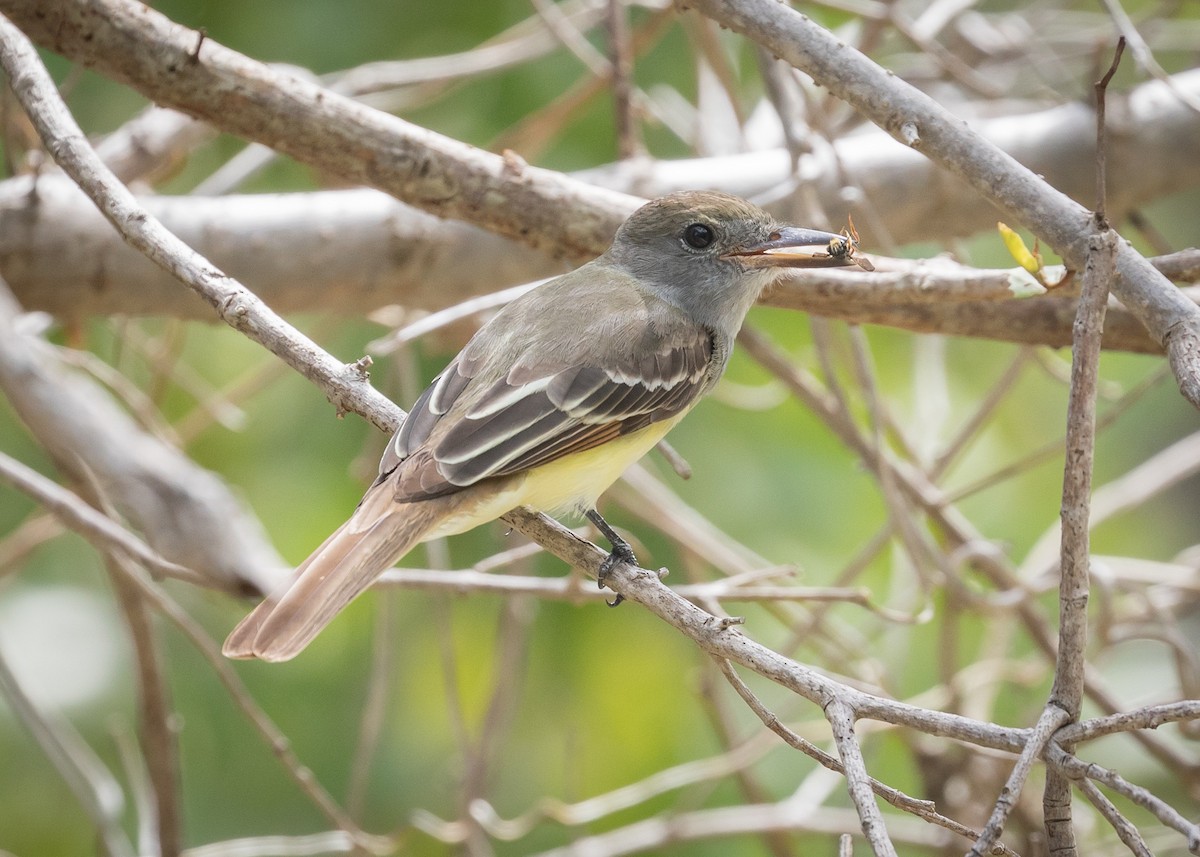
(621, 553)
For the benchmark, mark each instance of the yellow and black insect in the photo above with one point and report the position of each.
(846, 247)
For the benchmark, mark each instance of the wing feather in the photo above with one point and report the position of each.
(484, 429)
(488, 415)
(437, 400)
(579, 438)
(471, 464)
(569, 388)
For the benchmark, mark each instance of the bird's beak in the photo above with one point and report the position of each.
(793, 247)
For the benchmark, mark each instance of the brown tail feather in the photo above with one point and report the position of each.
(240, 642)
(378, 534)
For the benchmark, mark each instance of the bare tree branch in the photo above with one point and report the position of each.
(1052, 718)
(234, 303)
(90, 523)
(163, 815)
(134, 44)
(331, 251)
(841, 722)
(918, 121)
(1124, 827)
(1154, 150)
(1066, 696)
(187, 513)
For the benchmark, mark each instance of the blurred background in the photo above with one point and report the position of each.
(432, 715)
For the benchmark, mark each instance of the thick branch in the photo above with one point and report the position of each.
(346, 251)
(355, 250)
(174, 67)
(1044, 320)
(359, 248)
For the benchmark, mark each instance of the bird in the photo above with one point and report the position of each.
(554, 397)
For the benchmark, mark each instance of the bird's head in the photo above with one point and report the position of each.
(711, 253)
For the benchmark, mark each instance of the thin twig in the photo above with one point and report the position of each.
(1101, 92)
(1150, 717)
(726, 725)
(1143, 54)
(620, 53)
(1126, 831)
(379, 687)
(1074, 768)
(512, 647)
(160, 749)
(970, 430)
(895, 797)
(93, 525)
(22, 540)
(329, 842)
(1051, 449)
(278, 742)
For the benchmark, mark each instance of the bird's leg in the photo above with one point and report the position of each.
(621, 552)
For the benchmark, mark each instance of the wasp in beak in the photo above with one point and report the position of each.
(795, 247)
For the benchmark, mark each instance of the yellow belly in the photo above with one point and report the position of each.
(569, 484)
(573, 483)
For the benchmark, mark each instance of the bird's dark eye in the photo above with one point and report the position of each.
(699, 235)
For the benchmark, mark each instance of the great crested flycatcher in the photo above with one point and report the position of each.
(554, 397)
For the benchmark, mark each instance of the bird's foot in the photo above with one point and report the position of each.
(621, 553)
